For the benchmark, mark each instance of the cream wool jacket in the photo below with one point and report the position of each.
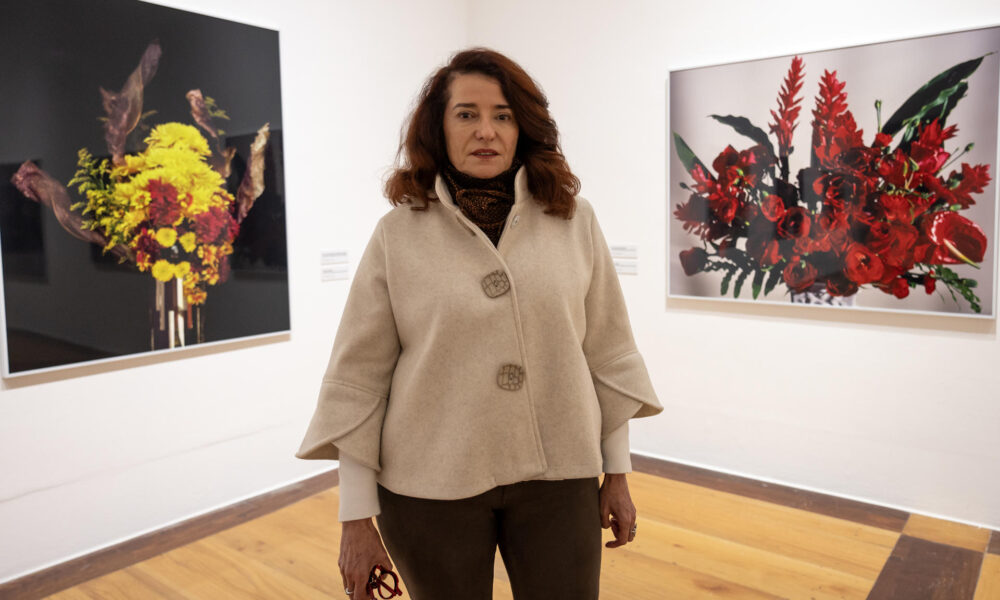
(459, 366)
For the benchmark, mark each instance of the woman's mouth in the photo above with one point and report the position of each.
(483, 153)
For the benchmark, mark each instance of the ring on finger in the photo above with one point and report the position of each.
(349, 591)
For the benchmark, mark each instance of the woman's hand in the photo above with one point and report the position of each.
(617, 510)
(360, 550)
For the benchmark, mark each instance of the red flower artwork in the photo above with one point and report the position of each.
(884, 213)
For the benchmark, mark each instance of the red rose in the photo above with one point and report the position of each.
(839, 285)
(762, 244)
(957, 239)
(693, 260)
(795, 223)
(862, 265)
(724, 206)
(799, 275)
(894, 243)
(773, 208)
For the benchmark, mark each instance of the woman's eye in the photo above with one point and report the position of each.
(505, 116)
(465, 115)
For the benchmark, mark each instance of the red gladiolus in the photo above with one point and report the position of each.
(928, 150)
(957, 239)
(799, 275)
(862, 265)
(773, 208)
(896, 207)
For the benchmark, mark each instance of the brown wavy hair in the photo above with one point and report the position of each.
(423, 152)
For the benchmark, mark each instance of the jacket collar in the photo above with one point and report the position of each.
(521, 193)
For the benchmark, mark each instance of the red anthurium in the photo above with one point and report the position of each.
(957, 238)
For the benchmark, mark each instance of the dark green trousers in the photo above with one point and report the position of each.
(548, 532)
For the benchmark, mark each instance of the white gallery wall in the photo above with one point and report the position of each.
(900, 410)
(894, 409)
(95, 455)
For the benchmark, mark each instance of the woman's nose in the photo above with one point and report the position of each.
(485, 131)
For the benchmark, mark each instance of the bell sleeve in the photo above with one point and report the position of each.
(621, 381)
(355, 388)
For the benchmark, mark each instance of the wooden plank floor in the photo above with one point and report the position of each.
(694, 542)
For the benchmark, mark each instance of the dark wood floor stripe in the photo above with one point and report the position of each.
(850, 510)
(64, 575)
(923, 570)
(994, 547)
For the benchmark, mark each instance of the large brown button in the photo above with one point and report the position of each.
(510, 377)
(496, 284)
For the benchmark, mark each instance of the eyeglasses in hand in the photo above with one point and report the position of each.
(379, 581)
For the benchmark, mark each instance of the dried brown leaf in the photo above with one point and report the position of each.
(125, 107)
(200, 114)
(252, 185)
(221, 163)
(41, 187)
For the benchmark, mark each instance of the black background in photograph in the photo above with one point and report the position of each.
(64, 302)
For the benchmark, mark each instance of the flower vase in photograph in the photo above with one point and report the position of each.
(818, 294)
(174, 322)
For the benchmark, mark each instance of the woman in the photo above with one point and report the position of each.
(484, 371)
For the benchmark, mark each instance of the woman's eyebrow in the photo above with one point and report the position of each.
(474, 105)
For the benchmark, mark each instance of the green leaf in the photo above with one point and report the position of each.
(739, 283)
(725, 283)
(758, 281)
(687, 156)
(744, 127)
(938, 90)
(772, 280)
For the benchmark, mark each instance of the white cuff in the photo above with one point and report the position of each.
(358, 490)
(615, 451)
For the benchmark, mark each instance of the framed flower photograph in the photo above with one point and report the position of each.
(857, 178)
(142, 204)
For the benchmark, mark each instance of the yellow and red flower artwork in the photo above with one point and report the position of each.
(169, 207)
(166, 209)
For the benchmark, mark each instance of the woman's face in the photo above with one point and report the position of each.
(479, 126)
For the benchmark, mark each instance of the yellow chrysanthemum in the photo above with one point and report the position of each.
(163, 270)
(178, 136)
(166, 236)
(189, 241)
(181, 269)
